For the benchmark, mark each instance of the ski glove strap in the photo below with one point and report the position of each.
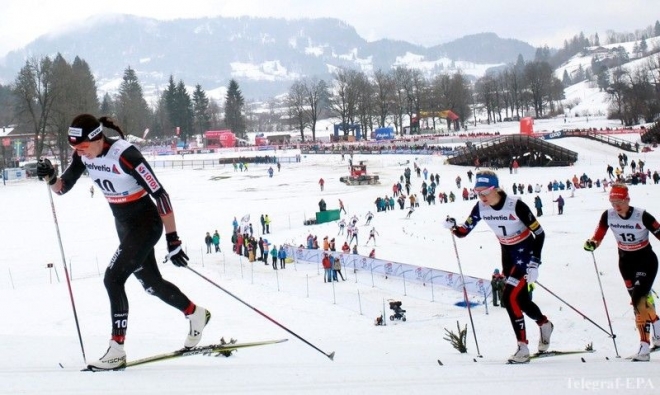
(533, 269)
(176, 254)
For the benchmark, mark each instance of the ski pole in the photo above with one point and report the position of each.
(330, 355)
(465, 296)
(574, 309)
(602, 294)
(66, 271)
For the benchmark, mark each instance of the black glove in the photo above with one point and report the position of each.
(176, 254)
(45, 170)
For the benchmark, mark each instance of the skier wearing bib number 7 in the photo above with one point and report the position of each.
(129, 184)
(521, 239)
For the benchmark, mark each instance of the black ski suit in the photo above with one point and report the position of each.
(129, 184)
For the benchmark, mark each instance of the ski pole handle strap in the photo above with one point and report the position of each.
(176, 254)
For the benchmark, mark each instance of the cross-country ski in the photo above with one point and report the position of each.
(214, 350)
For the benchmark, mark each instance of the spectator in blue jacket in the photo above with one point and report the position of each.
(282, 256)
(273, 254)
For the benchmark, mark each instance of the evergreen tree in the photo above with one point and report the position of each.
(602, 77)
(107, 105)
(656, 29)
(84, 89)
(579, 75)
(566, 79)
(179, 108)
(201, 116)
(133, 113)
(185, 108)
(621, 55)
(643, 46)
(160, 124)
(542, 54)
(234, 103)
(169, 96)
(596, 40)
(7, 105)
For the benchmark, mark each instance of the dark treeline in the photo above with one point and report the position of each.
(47, 93)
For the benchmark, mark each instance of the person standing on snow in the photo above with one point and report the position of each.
(336, 268)
(216, 241)
(327, 268)
(260, 244)
(129, 190)
(281, 254)
(273, 254)
(538, 204)
(267, 223)
(234, 224)
(497, 285)
(638, 264)
(521, 238)
(208, 240)
(560, 204)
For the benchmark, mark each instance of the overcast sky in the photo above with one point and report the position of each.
(426, 22)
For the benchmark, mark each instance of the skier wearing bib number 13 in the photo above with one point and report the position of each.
(521, 239)
(638, 264)
(128, 183)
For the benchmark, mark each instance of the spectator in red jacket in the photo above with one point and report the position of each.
(345, 248)
(327, 267)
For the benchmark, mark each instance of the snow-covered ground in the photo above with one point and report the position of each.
(42, 354)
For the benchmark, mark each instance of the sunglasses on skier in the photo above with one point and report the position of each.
(485, 192)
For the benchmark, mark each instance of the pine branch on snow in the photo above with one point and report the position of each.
(457, 341)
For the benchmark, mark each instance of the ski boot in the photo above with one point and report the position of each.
(544, 339)
(114, 358)
(198, 320)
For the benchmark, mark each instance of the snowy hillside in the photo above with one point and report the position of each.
(585, 97)
(42, 354)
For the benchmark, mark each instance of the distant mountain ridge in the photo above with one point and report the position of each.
(264, 54)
